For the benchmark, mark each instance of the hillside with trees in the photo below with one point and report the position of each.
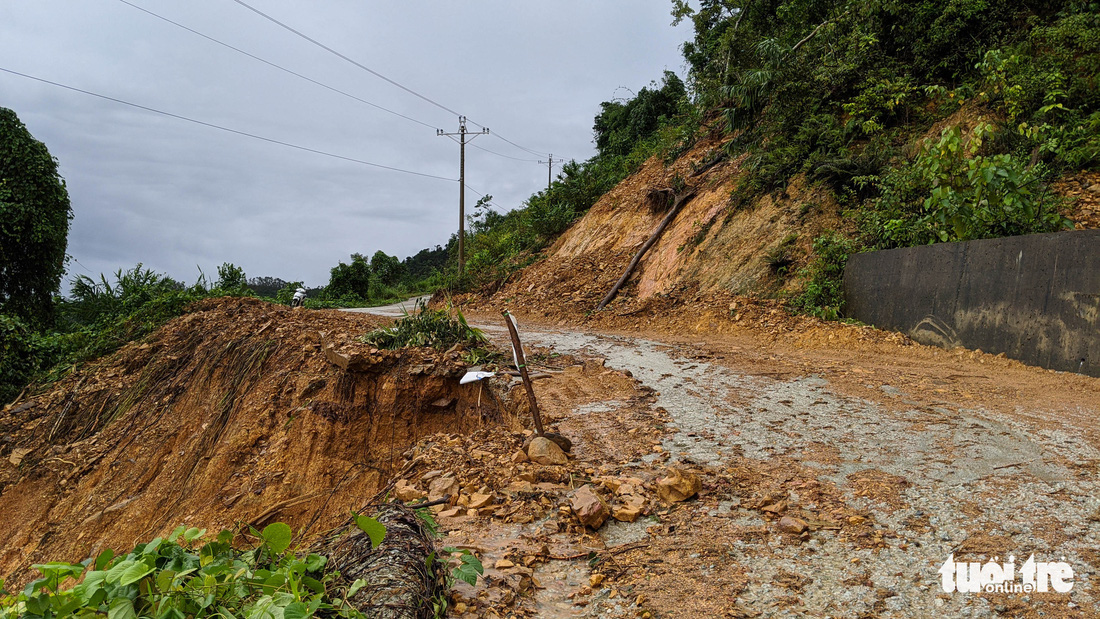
(822, 129)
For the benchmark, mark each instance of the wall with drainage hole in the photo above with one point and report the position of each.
(1035, 298)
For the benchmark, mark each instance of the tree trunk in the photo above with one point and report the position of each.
(679, 202)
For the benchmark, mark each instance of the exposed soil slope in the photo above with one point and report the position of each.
(241, 411)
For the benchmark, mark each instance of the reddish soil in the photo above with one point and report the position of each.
(235, 413)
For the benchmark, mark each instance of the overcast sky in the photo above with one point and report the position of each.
(178, 196)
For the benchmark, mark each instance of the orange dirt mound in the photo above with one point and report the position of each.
(241, 411)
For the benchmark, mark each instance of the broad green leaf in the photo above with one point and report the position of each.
(121, 608)
(313, 584)
(374, 529)
(193, 534)
(278, 536)
(296, 610)
(116, 571)
(314, 562)
(104, 558)
(164, 580)
(134, 573)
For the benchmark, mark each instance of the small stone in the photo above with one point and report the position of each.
(790, 524)
(678, 485)
(443, 487)
(1094, 188)
(519, 486)
(545, 451)
(406, 492)
(450, 513)
(560, 441)
(775, 508)
(519, 456)
(503, 564)
(460, 608)
(478, 500)
(589, 507)
(596, 580)
(626, 513)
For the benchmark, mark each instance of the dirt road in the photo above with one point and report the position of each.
(836, 483)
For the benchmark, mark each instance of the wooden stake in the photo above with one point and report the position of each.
(521, 360)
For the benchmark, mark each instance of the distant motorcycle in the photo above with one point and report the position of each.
(299, 298)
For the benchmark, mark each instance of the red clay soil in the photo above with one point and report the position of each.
(239, 412)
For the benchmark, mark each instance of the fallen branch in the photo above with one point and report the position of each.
(680, 200)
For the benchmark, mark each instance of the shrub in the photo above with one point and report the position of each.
(174, 578)
(427, 327)
(952, 192)
(823, 295)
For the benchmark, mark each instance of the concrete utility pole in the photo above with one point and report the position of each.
(550, 169)
(462, 133)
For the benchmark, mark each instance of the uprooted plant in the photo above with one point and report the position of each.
(436, 328)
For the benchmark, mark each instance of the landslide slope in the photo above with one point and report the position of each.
(718, 247)
(238, 412)
(712, 245)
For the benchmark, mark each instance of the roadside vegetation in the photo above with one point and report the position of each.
(843, 94)
(188, 574)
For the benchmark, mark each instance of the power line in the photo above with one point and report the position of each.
(227, 129)
(373, 72)
(523, 148)
(339, 55)
(277, 66)
(505, 156)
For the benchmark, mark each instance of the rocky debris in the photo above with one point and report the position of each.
(443, 487)
(545, 451)
(589, 508)
(626, 513)
(406, 492)
(678, 485)
(478, 501)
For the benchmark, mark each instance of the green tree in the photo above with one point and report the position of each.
(350, 279)
(34, 223)
(388, 269)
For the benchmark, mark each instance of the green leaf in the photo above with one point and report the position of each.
(104, 558)
(121, 608)
(356, 586)
(314, 562)
(376, 530)
(193, 534)
(278, 536)
(296, 610)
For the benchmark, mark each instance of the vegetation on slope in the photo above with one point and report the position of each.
(844, 93)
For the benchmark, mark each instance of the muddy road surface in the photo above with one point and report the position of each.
(834, 482)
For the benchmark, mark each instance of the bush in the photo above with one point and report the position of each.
(952, 192)
(176, 577)
(823, 295)
(427, 327)
(20, 356)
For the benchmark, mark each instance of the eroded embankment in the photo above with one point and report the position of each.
(240, 412)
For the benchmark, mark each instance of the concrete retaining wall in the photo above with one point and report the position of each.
(1035, 298)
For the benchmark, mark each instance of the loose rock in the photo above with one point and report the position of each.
(679, 485)
(589, 507)
(545, 451)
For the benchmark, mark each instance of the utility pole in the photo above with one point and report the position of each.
(550, 169)
(462, 134)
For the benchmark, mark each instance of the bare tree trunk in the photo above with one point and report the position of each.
(679, 202)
